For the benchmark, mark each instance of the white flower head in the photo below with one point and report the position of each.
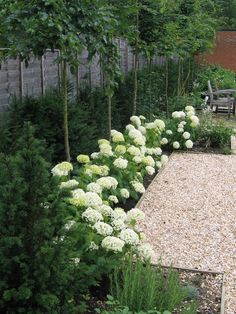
(92, 216)
(94, 187)
(113, 244)
(129, 236)
(62, 169)
(176, 145)
(120, 149)
(145, 251)
(138, 187)
(70, 184)
(164, 159)
(158, 164)
(135, 215)
(118, 137)
(83, 159)
(118, 224)
(129, 127)
(142, 130)
(150, 170)
(169, 132)
(103, 228)
(186, 135)
(176, 115)
(105, 210)
(180, 130)
(118, 213)
(134, 151)
(93, 246)
(136, 120)
(124, 193)
(120, 163)
(105, 150)
(189, 144)
(77, 193)
(159, 124)
(164, 141)
(95, 155)
(107, 182)
(148, 161)
(113, 199)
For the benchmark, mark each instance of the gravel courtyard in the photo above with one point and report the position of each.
(191, 215)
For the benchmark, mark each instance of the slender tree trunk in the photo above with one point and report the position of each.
(135, 70)
(150, 83)
(167, 83)
(109, 116)
(65, 111)
(179, 77)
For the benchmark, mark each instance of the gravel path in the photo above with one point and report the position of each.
(191, 215)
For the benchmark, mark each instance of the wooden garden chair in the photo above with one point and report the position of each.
(221, 99)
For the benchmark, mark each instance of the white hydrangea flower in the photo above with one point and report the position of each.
(142, 117)
(83, 159)
(142, 130)
(158, 164)
(150, 170)
(124, 193)
(176, 115)
(180, 130)
(148, 161)
(95, 155)
(129, 236)
(118, 137)
(89, 199)
(118, 213)
(105, 210)
(103, 141)
(105, 150)
(159, 124)
(93, 246)
(157, 151)
(134, 151)
(107, 183)
(136, 120)
(137, 159)
(62, 169)
(143, 150)
(94, 187)
(164, 159)
(183, 123)
(103, 228)
(133, 134)
(149, 151)
(164, 141)
(135, 215)
(104, 170)
(77, 193)
(140, 141)
(76, 260)
(129, 127)
(93, 169)
(189, 108)
(120, 163)
(182, 114)
(189, 144)
(118, 224)
(91, 215)
(113, 244)
(169, 132)
(145, 251)
(113, 199)
(186, 135)
(70, 184)
(120, 149)
(176, 145)
(195, 120)
(138, 187)
(190, 114)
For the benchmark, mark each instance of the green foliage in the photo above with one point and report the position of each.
(140, 287)
(213, 133)
(35, 274)
(45, 113)
(226, 14)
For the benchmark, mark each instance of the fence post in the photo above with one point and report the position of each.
(42, 75)
(21, 77)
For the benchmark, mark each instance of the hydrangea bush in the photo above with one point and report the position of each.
(115, 173)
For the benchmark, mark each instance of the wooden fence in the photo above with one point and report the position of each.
(41, 74)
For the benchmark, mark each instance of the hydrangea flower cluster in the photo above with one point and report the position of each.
(115, 173)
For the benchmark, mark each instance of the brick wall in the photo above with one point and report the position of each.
(224, 52)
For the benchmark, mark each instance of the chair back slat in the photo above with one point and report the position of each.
(210, 90)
